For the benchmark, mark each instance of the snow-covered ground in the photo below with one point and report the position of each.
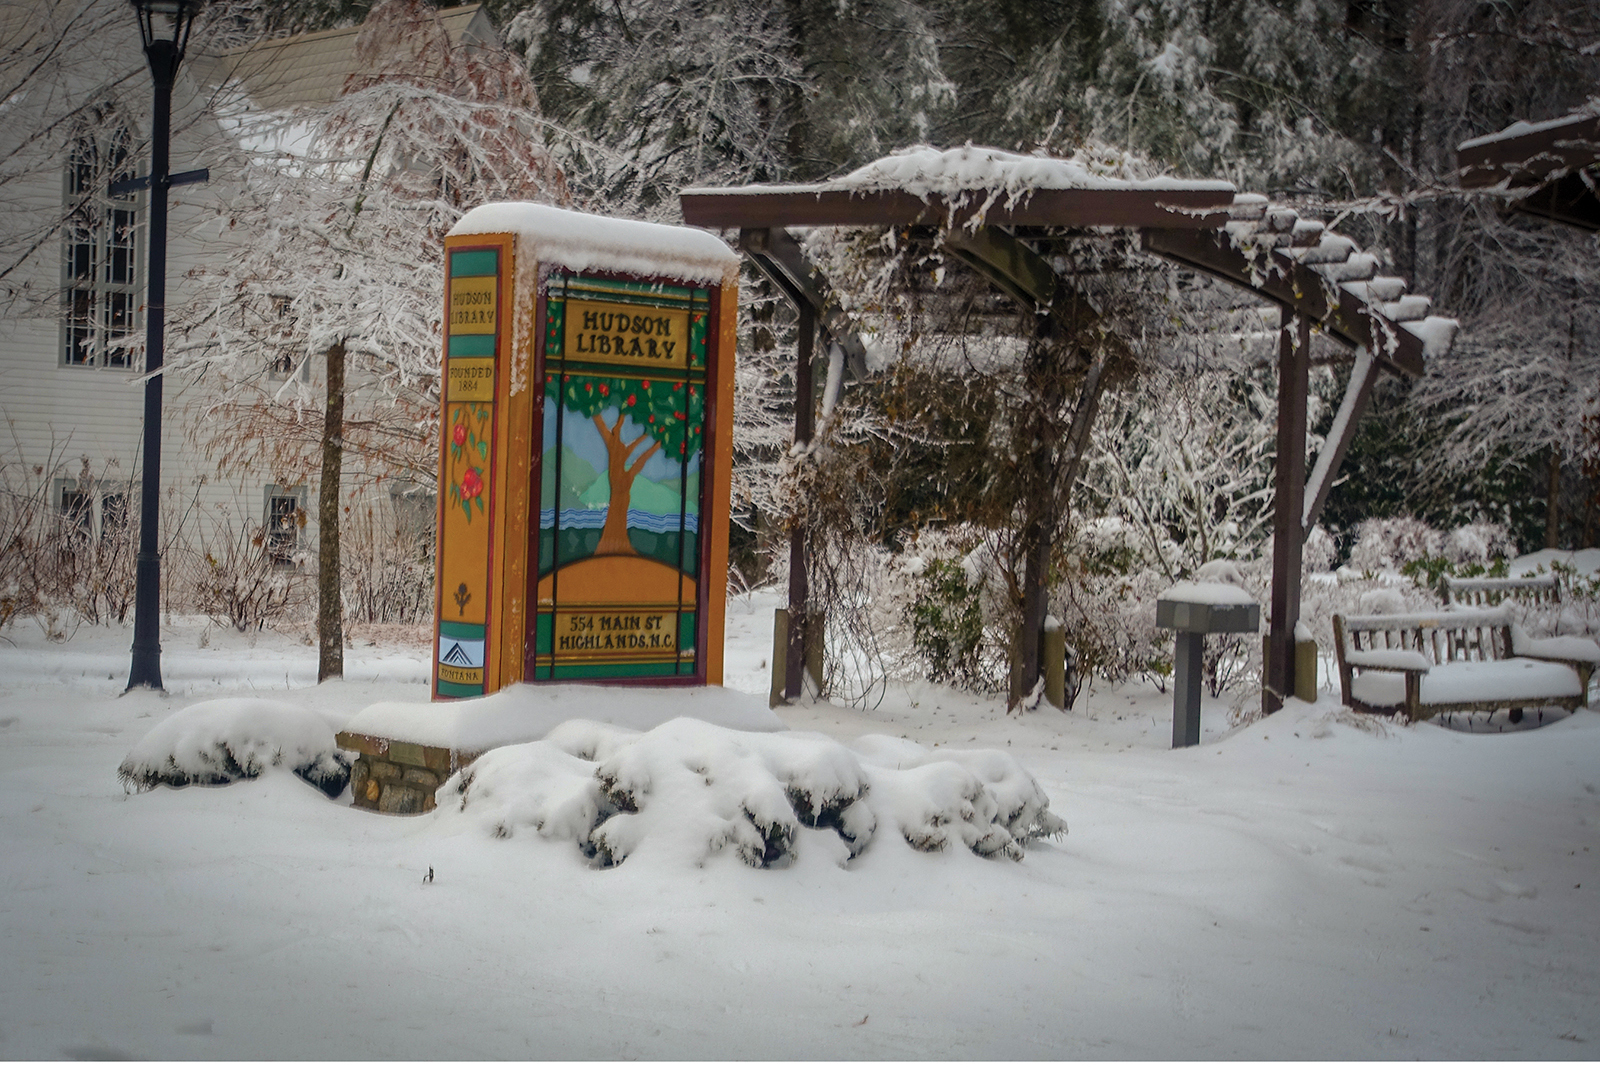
(1307, 886)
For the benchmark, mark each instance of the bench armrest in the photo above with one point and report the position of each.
(1389, 659)
(1572, 649)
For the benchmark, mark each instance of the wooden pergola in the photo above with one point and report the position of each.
(1548, 170)
(1318, 279)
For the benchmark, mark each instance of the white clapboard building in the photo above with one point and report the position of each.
(75, 115)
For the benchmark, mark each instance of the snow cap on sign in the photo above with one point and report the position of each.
(585, 242)
(1208, 594)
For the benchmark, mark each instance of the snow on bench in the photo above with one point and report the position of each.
(1468, 660)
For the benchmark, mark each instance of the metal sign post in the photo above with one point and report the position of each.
(1193, 619)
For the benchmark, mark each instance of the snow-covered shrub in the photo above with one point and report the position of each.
(387, 565)
(1481, 544)
(1389, 544)
(1321, 550)
(942, 613)
(687, 789)
(220, 741)
(239, 580)
(68, 564)
(1105, 596)
(948, 627)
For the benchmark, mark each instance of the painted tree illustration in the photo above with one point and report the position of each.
(672, 414)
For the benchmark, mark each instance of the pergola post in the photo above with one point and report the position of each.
(1288, 528)
(799, 585)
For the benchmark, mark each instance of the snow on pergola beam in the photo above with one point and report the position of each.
(1549, 170)
(822, 205)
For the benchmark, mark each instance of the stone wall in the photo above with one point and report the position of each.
(399, 776)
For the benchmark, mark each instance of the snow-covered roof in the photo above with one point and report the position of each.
(1525, 128)
(585, 242)
(1204, 223)
(1209, 594)
(1546, 169)
(312, 69)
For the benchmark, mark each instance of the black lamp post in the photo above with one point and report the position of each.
(165, 26)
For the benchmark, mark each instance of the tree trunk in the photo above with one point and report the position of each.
(1026, 672)
(1552, 503)
(330, 618)
(619, 476)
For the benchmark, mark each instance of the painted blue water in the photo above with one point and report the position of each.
(588, 518)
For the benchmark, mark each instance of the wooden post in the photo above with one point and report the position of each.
(1288, 533)
(780, 656)
(799, 587)
(1053, 660)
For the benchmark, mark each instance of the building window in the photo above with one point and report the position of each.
(77, 518)
(100, 264)
(282, 366)
(286, 520)
(93, 513)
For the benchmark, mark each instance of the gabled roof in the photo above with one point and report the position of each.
(311, 69)
(1547, 169)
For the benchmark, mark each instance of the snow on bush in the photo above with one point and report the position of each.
(1388, 544)
(1319, 552)
(689, 789)
(220, 741)
(1479, 544)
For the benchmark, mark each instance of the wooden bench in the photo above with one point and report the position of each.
(1468, 660)
(1492, 591)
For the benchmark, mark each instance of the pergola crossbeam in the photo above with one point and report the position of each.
(778, 256)
(1021, 273)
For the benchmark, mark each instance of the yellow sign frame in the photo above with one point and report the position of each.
(488, 554)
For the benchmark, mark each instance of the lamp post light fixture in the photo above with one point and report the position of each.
(164, 25)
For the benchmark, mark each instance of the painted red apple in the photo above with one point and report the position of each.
(471, 483)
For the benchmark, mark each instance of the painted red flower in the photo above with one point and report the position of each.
(458, 435)
(471, 483)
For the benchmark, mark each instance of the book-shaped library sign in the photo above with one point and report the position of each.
(586, 445)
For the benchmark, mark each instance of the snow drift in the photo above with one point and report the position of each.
(689, 789)
(221, 741)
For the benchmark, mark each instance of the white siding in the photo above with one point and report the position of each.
(54, 418)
